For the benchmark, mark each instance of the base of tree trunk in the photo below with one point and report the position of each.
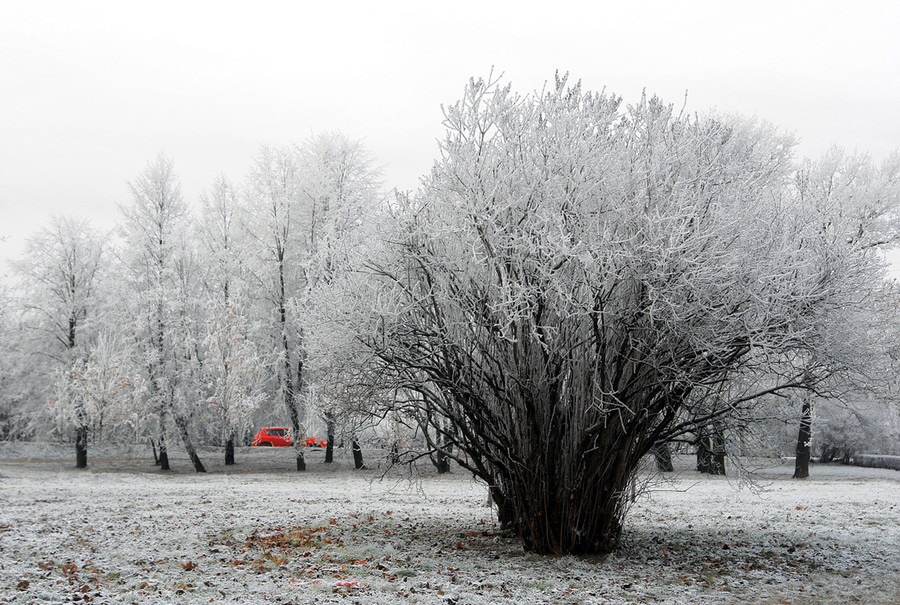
(663, 456)
(81, 447)
(163, 459)
(229, 451)
(711, 452)
(301, 463)
(441, 463)
(329, 436)
(804, 435)
(80, 457)
(801, 468)
(182, 424)
(198, 466)
(357, 456)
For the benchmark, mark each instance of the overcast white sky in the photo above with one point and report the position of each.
(92, 90)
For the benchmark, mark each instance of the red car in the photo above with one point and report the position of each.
(313, 442)
(275, 436)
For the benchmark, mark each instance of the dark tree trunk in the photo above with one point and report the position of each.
(289, 382)
(295, 421)
(718, 463)
(229, 450)
(584, 520)
(329, 437)
(505, 513)
(711, 451)
(663, 456)
(357, 456)
(801, 464)
(301, 462)
(181, 423)
(394, 455)
(704, 453)
(441, 462)
(298, 433)
(161, 440)
(81, 434)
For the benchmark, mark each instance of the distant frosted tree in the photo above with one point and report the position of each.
(856, 205)
(342, 191)
(154, 257)
(278, 226)
(223, 245)
(234, 389)
(103, 382)
(307, 202)
(234, 372)
(60, 273)
(7, 352)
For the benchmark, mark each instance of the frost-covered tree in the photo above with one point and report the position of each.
(234, 371)
(223, 247)
(60, 273)
(278, 226)
(103, 383)
(857, 206)
(154, 258)
(341, 189)
(577, 281)
(309, 203)
(189, 329)
(8, 353)
(232, 364)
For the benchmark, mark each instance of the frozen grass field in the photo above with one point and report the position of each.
(123, 532)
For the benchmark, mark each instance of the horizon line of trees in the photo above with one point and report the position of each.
(178, 321)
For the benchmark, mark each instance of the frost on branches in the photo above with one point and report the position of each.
(577, 281)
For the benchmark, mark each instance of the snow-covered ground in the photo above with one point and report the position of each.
(123, 532)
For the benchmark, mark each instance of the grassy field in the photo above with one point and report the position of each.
(121, 531)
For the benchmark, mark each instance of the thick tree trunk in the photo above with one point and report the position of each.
(329, 437)
(81, 433)
(586, 520)
(357, 456)
(804, 435)
(663, 456)
(181, 423)
(229, 449)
